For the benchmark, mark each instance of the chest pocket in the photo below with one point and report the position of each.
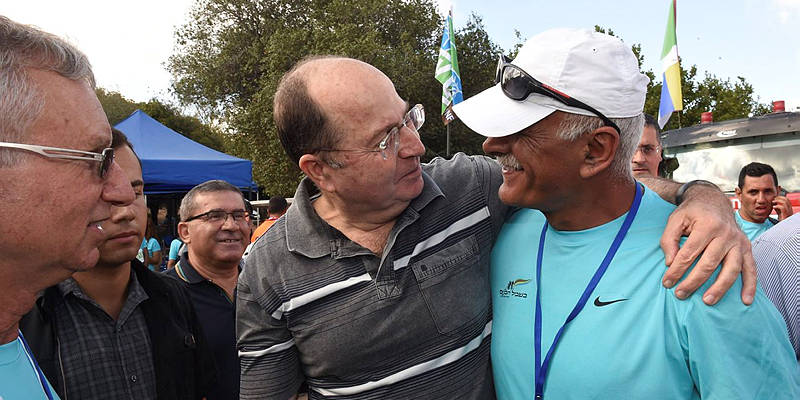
(455, 285)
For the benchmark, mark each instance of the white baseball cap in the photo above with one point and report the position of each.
(594, 68)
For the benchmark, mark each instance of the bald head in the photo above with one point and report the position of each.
(321, 96)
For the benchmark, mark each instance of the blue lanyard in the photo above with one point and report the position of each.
(39, 373)
(542, 367)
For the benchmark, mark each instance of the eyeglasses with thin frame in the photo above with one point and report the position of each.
(390, 144)
(106, 158)
(220, 216)
(648, 149)
(518, 85)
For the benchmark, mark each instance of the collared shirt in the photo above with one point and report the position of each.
(752, 229)
(217, 315)
(103, 358)
(777, 254)
(414, 322)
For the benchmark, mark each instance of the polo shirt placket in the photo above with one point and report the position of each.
(216, 313)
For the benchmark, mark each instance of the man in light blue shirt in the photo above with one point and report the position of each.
(174, 251)
(579, 309)
(758, 196)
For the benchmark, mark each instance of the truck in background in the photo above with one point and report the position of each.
(717, 151)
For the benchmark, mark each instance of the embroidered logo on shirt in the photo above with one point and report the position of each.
(509, 290)
(599, 303)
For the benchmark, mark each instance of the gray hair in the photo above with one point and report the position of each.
(188, 205)
(575, 125)
(24, 47)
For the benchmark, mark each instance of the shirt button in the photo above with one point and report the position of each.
(133, 378)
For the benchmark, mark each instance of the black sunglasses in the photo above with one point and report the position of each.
(518, 85)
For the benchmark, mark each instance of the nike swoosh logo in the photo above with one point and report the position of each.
(599, 303)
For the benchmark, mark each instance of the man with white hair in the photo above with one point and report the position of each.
(579, 311)
(375, 282)
(58, 182)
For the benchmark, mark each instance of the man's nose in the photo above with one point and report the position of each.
(117, 189)
(410, 143)
(496, 145)
(638, 157)
(123, 213)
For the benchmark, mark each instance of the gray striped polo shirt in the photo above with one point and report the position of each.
(414, 323)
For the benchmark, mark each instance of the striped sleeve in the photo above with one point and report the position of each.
(269, 360)
(778, 266)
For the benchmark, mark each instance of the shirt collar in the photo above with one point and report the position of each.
(186, 272)
(309, 235)
(136, 293)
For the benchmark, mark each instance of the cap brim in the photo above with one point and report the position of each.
(490, 113)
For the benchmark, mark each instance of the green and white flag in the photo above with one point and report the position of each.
(447, 72)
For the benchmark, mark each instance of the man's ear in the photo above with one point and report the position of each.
(600, 149)
(318, 170)
(738, 192)
(183, 232)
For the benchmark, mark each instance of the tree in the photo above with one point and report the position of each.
(233, 52)
(477, 57)
(117, 108)
(725, 98)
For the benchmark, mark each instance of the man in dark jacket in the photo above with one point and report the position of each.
(119, 330)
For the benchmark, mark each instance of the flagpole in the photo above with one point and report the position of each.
(447, 153)
(448, 75)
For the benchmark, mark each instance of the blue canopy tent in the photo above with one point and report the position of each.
(173, 163)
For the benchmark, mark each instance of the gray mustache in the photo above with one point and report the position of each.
(509, 161)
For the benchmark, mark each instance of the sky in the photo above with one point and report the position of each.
(129, 43)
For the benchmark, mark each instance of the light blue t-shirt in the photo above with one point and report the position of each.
(751, 229)
(18, 378)
(152, 246)
(633, 339)
(174, 247)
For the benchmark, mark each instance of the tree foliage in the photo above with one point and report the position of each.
(727, 99)
(117, 108)
(233, 52)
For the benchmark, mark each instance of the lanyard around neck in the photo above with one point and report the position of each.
(542, 367)
(39, 373)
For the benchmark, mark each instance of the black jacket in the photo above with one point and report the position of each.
(184, 365)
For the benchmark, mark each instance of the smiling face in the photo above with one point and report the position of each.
(539, 167)
(127, 224)
(216, 244)
(52, 208)
(756, 196)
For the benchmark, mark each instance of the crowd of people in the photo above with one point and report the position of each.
(536, 272)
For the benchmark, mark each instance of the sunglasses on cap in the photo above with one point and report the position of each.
(518, 85)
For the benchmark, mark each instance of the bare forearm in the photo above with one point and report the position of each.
(663, 187)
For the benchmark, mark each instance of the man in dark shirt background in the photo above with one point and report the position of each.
(215, 226)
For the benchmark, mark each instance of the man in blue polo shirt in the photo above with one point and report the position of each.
(758, 196)
(579, 309)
